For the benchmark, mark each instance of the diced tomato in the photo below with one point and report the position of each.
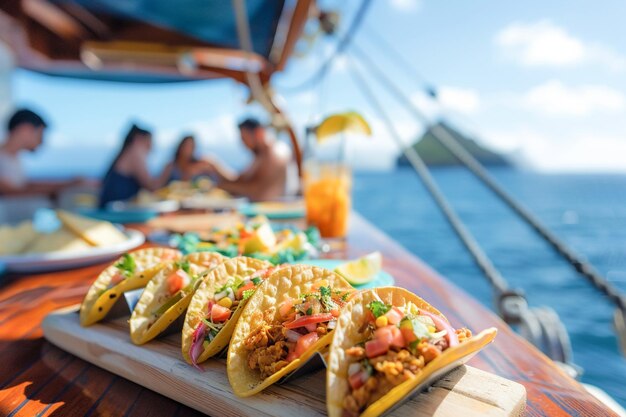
(244, 234)
(369, 316)
(249, 286)
(357, 380)
(384, 334)
(285, 308)
(304, 320)
(394, 316)
(291, 356)
(305, 342)
(335, 312)
(408, 334)
(177, 281)
(397, 338)
(311, 327)
(376, 347)
(219, 313)
(116, 279)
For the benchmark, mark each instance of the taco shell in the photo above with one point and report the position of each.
(99, 300)
(346, 335)
(288, 282)
(240, 266)
(145, 325)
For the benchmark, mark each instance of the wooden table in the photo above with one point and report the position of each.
(37, 378)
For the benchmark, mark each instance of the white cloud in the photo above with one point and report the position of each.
(454, 99)
(556, 99)
(406, 5)
(462, 100)
(545, 44)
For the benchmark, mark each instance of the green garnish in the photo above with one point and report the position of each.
(419, 328)
(256, 280)
(378, 308)
(326, 299)
(127, 265)
(184, 265)
(248, 293)
(309, 311)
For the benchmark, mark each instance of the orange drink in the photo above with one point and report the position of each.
(327, 197)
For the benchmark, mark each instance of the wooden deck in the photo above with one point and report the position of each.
(37, 378)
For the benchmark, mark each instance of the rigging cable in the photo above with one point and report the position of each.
(452, 145)
(341, 45)
(541, 326)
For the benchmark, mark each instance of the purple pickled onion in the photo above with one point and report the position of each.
(292, 335)
(196, 344)
(441, 324)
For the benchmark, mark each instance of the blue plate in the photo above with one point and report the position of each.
(122, 216)
(383, 279)
(252, 210)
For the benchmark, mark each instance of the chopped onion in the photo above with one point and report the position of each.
(196, 344)
(442, 324)
(354, 368)
(292, 335)
(331, 324)
(231, 294)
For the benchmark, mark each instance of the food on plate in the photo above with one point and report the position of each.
(168, 294)
(15, 239)
(131, 271)
(387, 342)
(64, 232)
(61, 240)
(217, 304)
(362, 270)
(255, 238)
(95, 232)
(288, 319)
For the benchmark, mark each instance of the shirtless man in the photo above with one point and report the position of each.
(266, 177)
(24, 134)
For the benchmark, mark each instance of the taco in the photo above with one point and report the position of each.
(387, 342)
(131, 271)
(288, 319)
(168, 294)
(217, 304)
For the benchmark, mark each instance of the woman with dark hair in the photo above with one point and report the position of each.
(186, 166)
(128, 172)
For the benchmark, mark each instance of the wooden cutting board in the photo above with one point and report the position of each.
(159, 366)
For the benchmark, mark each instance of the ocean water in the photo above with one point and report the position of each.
(588, 212)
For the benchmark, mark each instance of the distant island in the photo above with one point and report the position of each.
(435, 154)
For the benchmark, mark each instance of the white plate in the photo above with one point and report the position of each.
(210, 203)
(44, 262)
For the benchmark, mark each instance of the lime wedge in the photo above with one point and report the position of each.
(350, 122)
(362, 270)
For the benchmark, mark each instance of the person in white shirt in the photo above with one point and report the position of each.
(25, 131)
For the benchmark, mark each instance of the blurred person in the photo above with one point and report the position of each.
(129, 172)
(25, 131)
(186, 166)
(266, 177)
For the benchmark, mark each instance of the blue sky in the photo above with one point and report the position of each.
(542, 80)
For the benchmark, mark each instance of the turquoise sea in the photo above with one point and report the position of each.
(587, 211)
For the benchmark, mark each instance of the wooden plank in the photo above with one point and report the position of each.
(160, 367)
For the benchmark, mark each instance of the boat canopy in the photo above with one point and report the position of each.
(151, 41)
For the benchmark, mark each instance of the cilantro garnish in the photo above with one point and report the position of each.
(126, 265)
(309, 311)
(378, 308)
(326, 299)
(248, 293)
(256, 280)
